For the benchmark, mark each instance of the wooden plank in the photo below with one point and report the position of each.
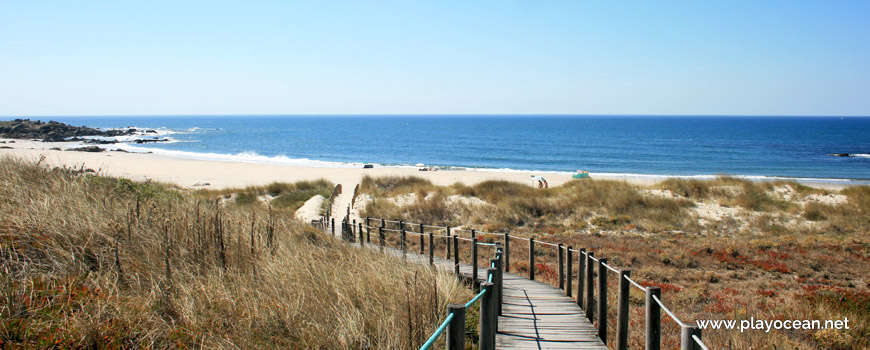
(535, 315)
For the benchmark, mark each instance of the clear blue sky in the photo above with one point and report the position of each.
(755, 57)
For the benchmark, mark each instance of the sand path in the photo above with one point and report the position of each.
(342, 203)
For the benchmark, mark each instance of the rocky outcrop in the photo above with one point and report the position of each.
(52, 131)
(87, 149)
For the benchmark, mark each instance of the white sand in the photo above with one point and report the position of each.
(188, 172)
(311, 209)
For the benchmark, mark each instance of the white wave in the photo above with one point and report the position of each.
(862, 155)
(667, 176)
(160, 131)
(710, 177)
(134, 138)
(247, 157)
(509, 170)
(254, 157)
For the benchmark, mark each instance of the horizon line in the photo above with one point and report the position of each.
(429, 114)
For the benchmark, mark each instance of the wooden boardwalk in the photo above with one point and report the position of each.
(539, 316)
(534, 315)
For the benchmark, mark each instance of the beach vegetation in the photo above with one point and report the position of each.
(279, 195)
(725, 248)
(98, 262)
(388, 186)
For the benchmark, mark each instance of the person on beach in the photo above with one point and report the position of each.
(542, 182)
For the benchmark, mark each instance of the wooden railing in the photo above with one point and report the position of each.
(490, 289)
(335, 192)
(355, 194)
(592, 278)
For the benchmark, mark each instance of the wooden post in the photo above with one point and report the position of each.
(561, 267)
(474, 259)
(456, 328)
(381, 232)
(447, 239)
(401, 225)
(653, 319)
(622, 310)
(368, 231)
(362, 241)
(456, 256)
(404, 248)
(507, 252)
(431, 249)
(581, 277)
(332, 225)
(602, 300)
(686, 341)
(500, 284)
(532, 258)
(488, 315)
(381, 237)
(422, 244)
(590, 294)
(569, 271)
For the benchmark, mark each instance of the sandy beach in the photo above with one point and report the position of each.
(192, 173)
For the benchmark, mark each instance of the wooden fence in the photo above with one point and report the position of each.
(336, 191)
(593, 275)
(490, 292)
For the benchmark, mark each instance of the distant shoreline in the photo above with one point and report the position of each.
(189, 173)
(618, 147)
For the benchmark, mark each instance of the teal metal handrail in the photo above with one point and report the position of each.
(477, 297)
(431, 341)
(450, 317)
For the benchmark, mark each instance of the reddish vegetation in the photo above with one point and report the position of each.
(767, 261)
(665, 287)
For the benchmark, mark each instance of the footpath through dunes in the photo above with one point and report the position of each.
(540, 316)
(531, 314)
(534, 315)
(342, 207)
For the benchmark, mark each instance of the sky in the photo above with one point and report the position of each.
(760, 57)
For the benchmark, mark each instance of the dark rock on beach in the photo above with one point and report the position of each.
(150, 140)
(87, 149)
(52, 131)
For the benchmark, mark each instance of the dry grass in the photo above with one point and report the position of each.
(99, 262)
(279, 195)
(577, 204)
(775, 259)
(392, 185)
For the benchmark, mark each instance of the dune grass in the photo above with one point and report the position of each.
(789, 259)
(279, 195)
(100, 262)
(515, 206)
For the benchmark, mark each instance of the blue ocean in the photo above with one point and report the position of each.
(654, 146)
